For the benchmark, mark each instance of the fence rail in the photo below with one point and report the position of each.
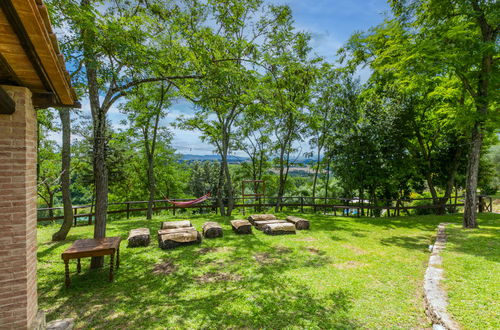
(345, 205)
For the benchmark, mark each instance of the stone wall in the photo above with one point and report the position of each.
(18, 141)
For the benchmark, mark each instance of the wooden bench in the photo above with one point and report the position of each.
(85, 248)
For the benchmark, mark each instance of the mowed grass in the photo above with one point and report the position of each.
(472, 273)
(343, 273)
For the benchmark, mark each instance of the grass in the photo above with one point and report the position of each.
(472, 266)
(344, 273)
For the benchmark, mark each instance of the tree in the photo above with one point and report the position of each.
(288, 81)
(114, 49)
(321, 115)
(466, 32)
(60, 235)
(146, 106)
(49, 183)
(230, 80)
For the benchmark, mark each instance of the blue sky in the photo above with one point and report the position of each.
(330, 23)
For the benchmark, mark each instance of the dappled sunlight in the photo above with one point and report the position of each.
(330, 276)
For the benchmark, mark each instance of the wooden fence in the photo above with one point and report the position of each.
(345, 206)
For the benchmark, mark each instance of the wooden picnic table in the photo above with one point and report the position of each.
(84, 248)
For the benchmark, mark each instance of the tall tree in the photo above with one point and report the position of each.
(230, 79)
(114, 48)
(60, 235)
(146, 106)
(466, 31)
(288, 81)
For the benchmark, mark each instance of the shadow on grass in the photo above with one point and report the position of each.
(256, 296)
(482, 242)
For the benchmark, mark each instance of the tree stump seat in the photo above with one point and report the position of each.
(299, 223)
(260, 224)
(282, 228)
(261, 217)
(139, 237)
(212, 230)
(241, 226)
(172, 238)
(175, 224)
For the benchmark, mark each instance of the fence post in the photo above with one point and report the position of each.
(481, 204)
(301, 204)
(128, 210)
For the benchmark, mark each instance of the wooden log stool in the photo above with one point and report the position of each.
(139, 237)
(172, 238)
(212, 230)
(260, 224)
(175, 224)
(241, 226)
(261, 217)
(299, 223)
(283, 228)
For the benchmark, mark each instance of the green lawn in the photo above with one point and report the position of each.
(472, 270)
(343, 273)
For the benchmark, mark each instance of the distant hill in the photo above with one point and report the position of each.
(213, 158)
(231, 159)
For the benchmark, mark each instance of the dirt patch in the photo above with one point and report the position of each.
(217, 277)
(166, 267)
(305, 239)
(282, 250)
(314, 251)
(264, 258)
(207, 250)
(349, 265)
(355, 249)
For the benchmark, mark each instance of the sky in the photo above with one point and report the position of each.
(330, 24)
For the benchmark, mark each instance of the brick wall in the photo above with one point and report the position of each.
(18, 296)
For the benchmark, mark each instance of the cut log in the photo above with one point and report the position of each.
(175, 224)
(299, 223)
(175, 230)
(139, 237)
(212, 230)
(241, 226)
(171, 238)
(261, 217)
(279, 228)
(260, 224)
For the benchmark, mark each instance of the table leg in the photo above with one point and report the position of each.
(111, 263)
(66, 271)
(118, 258)
(78, 266)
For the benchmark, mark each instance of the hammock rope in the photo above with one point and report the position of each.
(189, 203)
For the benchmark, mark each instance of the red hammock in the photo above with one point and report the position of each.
(188, 203)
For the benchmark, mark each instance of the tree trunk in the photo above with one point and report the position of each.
(316, 171)
(65, 176)
(151, 187)
(489, 35)
(470, 212)
(220, 187)
(101, 182)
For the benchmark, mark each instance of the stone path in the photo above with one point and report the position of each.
(435, 297)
